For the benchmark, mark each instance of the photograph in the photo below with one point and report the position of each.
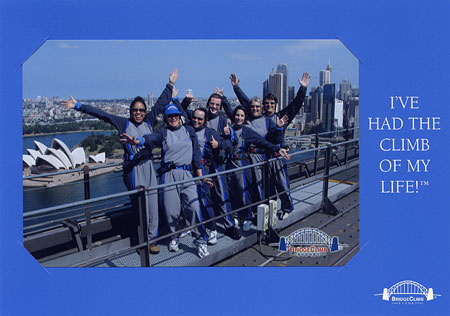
(191, 153)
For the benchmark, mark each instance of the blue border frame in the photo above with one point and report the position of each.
(403, 48)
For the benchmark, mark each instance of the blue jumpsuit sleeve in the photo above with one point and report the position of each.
(275, 134)
(224, 143)
(184, 112)
(292, 109)
(227, 107)
(120, 123)
(160, 104)
(252, 137)
(242, 97)
(155, 139)
(196, 154)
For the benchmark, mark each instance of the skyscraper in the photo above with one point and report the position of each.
(324, 77)
(283, 69)
(328, 107)
(276, 85)
(265, 87)
(345, 90)
(150, 100)
(291, 94)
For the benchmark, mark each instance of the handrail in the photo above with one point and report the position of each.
(48, 174)
(160, 186)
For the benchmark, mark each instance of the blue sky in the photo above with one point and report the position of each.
(125, 69)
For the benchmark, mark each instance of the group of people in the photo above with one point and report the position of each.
(208, 142)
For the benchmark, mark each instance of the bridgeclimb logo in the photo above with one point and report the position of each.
(310, 242)
(408, 292)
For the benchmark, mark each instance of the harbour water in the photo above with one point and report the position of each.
(105, 184)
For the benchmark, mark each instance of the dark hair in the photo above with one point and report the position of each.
(202, 110)
(239, 107)
(138, 99)
(270, 96)
(214, 95)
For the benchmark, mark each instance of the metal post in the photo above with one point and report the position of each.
(265, 181)
(316, 153)
(347, 135)
(327, 206)
(87, 210)
(326, 175)
(142, 227)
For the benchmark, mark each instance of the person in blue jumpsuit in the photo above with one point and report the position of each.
(244, 140)
(137, 161)
(277, 169)
(180, 155)
(215, 200)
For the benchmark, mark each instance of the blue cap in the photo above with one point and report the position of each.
(171, 109)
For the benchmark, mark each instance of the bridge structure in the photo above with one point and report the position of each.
(309, 236)
(106, 231)
(408, 287)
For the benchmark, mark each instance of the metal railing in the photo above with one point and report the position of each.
(142, 247)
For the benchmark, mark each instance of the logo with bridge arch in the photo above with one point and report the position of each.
(408, 292)
(310, 242)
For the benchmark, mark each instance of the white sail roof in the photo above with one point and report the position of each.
(33, 153)
(28, 160)
(99, 158)
(60, 155)
(59, 144)
(49, 160)
(79, 156)
(40, 147)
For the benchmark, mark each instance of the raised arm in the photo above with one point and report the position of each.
(292, 109)
(242, 97)
(118, 122)
(163, 99)
(225, 104)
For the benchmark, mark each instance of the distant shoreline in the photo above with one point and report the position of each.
(45, 134)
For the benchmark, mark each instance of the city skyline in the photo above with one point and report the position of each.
(124, 69)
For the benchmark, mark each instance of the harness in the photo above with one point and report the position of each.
(166, 167)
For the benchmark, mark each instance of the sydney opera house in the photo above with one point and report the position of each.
(57, 156)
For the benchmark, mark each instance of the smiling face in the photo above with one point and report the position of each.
(239, 117)
(173, 120)
(214, 105)
(198, 119)
(269, 106)
(138, 112)
(255, 108)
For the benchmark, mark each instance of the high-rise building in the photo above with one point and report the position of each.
(316, 103)
(329, 95)
(324, 77)
(150, 100)
(291, 94)
(265, 87)
(276, 87)
(345, 90)
(283, 69)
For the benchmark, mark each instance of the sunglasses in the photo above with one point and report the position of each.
(138, 110)
(255, 106)
(267, 103)
(173, 115)
(212, 103)
(197, 118)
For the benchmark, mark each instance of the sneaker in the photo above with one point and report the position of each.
(212, 237)
(173, 245)
(233, 233)
(202, 248)
(184, 234)
(153, 248)
(246, 226)
(282, 214)
(285, 215)
(236, 222)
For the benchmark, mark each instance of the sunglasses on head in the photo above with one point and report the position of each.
(138, 110)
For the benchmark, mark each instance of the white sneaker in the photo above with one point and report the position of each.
(202, 248)
(212, 237)
(285, 215)
(236, 222)
(184, 234)
(173, 245)
(246, 226)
